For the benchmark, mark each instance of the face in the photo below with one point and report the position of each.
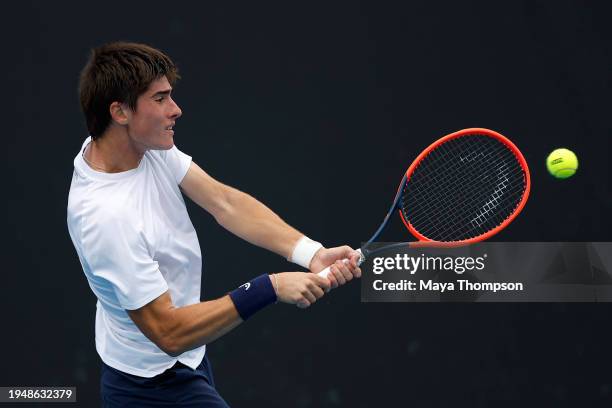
(150, 127)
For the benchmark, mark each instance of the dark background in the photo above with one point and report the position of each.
(317, 109)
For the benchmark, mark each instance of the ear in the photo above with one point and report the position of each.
(118, 113)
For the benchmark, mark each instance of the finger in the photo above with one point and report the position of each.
(317, 291)
(309, 296)
(339, 275)
(355, 267)
(349, 272)
(335, 270)
(346, 273)
(333, 283)
(321, 282)
(303, 304)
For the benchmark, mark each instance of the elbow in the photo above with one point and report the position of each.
(167, 340)
(170, 347)
(226, 208)
(223, 214)
(167, 336)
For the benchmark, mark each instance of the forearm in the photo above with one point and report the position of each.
(201, 323)
(240, 213)
(252, 221)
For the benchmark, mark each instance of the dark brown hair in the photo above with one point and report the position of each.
(119, 72)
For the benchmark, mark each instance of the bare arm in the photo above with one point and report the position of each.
(252, 221)
(178, 329)
(240, 213)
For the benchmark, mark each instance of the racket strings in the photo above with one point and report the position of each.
(457, 222)
(463, 188)
(465, 194)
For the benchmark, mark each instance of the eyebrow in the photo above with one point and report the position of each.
(162, 93)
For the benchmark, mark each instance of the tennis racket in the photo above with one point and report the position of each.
(463, 188)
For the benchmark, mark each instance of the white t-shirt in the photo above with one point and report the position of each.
(135, 241)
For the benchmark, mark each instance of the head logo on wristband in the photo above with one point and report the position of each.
(260, 295)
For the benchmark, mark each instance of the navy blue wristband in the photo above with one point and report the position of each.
(253, 296)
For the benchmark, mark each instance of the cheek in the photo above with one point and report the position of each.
(141, 125)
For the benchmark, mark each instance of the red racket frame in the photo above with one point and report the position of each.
(423, 240)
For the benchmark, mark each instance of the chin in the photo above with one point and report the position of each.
(165, 146)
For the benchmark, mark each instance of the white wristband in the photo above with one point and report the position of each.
(304, 251)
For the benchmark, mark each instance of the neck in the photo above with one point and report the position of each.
(113, 152)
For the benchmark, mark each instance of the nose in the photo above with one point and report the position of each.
(176, 112)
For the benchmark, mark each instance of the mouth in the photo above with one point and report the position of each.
(170, 129)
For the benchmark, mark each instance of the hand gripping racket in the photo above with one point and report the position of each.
(464, 188)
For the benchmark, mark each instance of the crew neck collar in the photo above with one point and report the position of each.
(82, 165)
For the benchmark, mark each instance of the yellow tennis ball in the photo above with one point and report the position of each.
(562, 163)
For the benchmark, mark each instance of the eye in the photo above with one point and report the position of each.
(160, 99)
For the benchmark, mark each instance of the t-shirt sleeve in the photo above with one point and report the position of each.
(178, 163)
(117, 252)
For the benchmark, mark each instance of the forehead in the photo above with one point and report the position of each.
(159, 85)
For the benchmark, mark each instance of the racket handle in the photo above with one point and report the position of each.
(325, 272)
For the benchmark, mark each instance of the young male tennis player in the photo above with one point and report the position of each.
(138, 248)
